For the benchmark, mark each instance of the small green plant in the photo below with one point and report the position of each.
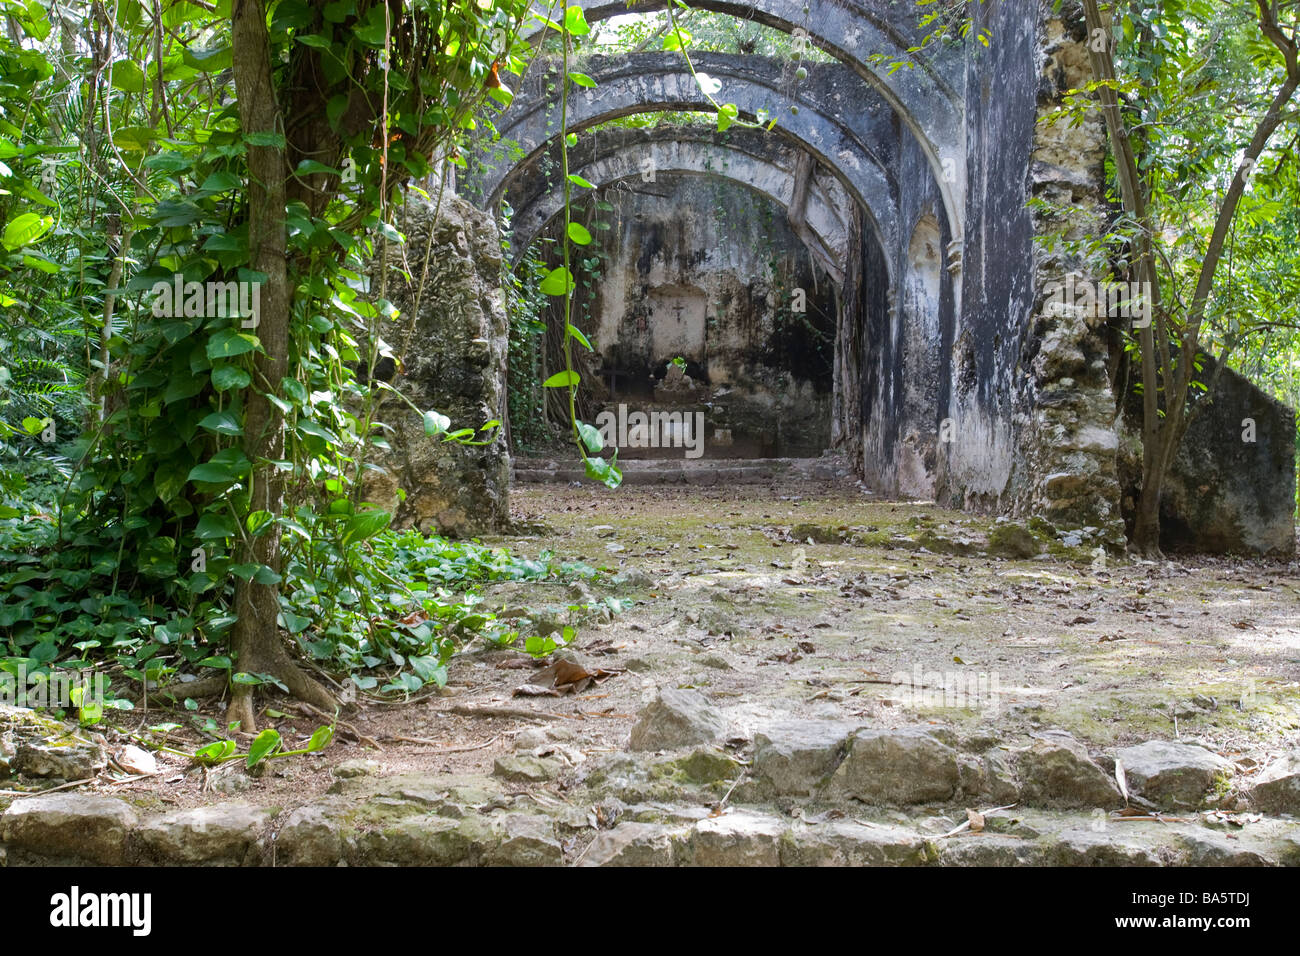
(266, 746)
(89, 711)
(540, 646)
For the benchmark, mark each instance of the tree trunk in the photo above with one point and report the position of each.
(1146, 525)
(255, 640)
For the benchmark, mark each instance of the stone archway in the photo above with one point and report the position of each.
(750, 158)
(869, 37)
(840, 122)
(948, 378)
(843, 130)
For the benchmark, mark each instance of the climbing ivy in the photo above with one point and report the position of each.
(158, 521)
(527, 309)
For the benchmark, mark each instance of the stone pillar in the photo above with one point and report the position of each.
(450, 340)
(1068, 438)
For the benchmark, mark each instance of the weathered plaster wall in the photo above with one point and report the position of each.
(906, 386)
(705, 269)
(996, 271)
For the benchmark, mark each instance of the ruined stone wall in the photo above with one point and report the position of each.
(1223, 494)
(1031, 406)
(705, 269)
(1232, 486)
(450, 337)
(1067, 474)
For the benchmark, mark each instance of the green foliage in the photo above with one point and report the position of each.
(527, 308)
(268, 745)
(706, 31)
(388, 608)
(120, 541)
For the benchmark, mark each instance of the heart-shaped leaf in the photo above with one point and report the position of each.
(320, 740)
(265, 745)
(557, 282)
(562, 379)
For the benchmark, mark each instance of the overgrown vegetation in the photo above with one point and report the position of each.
(182, 482)
(1199, 100)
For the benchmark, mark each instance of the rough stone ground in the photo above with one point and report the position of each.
(754, 710)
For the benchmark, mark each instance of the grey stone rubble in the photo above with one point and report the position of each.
(1277, 789)
(797, 792)
(676, 718)
(1173, 774)
(38, 746)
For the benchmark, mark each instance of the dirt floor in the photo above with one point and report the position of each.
(723, 597)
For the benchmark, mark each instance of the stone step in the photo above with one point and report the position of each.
(702, 472)
(435, 822)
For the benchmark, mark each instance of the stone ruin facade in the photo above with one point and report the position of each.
(903, 202)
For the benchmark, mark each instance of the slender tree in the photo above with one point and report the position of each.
(1170, 346)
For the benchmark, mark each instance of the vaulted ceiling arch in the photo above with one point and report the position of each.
(766, 164)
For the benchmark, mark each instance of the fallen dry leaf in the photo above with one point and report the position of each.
(789, 657)
(565, 676)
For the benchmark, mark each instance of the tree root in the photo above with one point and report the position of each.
(487, 710)
(441, 749)
(361, 738)
(304, 688)
(300, 686)
(207, 687)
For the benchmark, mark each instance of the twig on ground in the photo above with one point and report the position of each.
(360, 737)
(139, 776)
(730, 790)
(984, 813)
(490, 710)
(440, 749)
(39, 793)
